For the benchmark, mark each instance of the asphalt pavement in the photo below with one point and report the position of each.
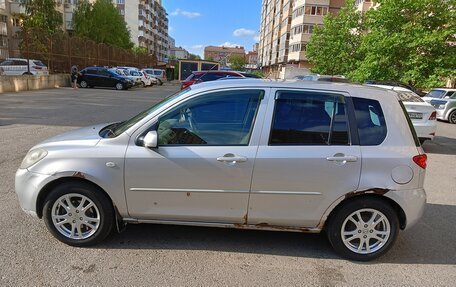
(158, 255)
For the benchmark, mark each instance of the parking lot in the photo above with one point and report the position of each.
(156, 255)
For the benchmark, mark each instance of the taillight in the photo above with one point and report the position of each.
(37, 67)
(433, 116)
(420, 160)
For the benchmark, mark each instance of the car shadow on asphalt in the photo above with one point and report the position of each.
(440, 145)
(430, 241)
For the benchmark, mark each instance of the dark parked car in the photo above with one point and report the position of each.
(102, 77)
(206, 76)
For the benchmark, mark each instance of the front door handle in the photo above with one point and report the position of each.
(232, 158)
(342, 158)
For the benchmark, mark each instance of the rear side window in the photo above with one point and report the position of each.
(91, 71)
(308, 118)
(370, 121)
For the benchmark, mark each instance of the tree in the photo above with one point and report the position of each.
(140, 50)
(102, 23)
(210, 59)
(333, 47)
(193, 57)
(42, 15)
(410, 41)
(237, 62)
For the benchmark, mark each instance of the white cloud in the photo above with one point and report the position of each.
(230, 45)
(242, 32)
(187, 14)
(256, 38)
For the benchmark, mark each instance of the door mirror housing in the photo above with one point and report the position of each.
(151, 139)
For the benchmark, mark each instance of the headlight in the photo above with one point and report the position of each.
(33, 157)
(441, 107)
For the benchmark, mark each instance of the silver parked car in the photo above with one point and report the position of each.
(444, 101)
(250, 154)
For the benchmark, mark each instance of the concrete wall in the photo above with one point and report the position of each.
(28, 83)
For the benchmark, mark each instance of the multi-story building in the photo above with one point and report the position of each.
(179, 53)
(5, 28)
(222, 54)
(286, 27)
(364, 5)
(148, 24)
(251, 60)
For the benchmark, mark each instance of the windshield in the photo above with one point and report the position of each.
(436, 94)
(116, 129)
(134, 73)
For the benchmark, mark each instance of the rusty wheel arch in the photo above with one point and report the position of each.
(372, 194)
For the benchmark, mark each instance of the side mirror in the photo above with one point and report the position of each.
(151, 139)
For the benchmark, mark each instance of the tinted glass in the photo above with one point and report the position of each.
(212, 77)
(222, 118)
(451, 95)
(91, 71)
(370, 121)
(39, 63)
(306, 118)
(436, 94)
(105, 73)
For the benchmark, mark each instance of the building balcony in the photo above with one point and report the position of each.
(298, 38)
(297, 56)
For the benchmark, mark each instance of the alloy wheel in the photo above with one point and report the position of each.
(75, 216)
(365, 231)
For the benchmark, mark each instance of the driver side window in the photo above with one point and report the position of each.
(220, 118)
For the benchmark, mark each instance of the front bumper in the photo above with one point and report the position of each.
(412, 201)
(28, 185)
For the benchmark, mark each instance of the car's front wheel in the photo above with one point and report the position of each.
(452, 117)
(363, 229)
(78, 214)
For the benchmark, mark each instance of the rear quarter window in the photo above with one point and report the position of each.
(370, 121)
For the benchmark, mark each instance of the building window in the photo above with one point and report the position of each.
(303, 29)
(120, 1)
(301, 47)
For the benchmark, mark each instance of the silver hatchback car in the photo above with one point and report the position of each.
(249, 154)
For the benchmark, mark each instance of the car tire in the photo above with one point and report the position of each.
(452, 117)
(120, 86)
(27, 74)
(160, 82)
(83, 84)
(87, 213)
(370, 237)
(143, 85)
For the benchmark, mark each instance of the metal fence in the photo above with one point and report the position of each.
(60, 51)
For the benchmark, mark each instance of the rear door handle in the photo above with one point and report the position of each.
(231, 158)
(347, 158)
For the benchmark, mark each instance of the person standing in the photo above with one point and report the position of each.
(74, 76)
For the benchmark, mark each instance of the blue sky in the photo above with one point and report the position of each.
(195, 24)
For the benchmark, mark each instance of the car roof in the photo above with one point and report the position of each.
(353, 89)
(215, 72)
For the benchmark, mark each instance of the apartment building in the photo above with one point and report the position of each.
(147, 21)
(5, 28)
(286, 27)
(222, 54)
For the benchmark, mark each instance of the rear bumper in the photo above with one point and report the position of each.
(426, 130)
(412, 201)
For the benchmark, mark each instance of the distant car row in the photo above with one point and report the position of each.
(120, 78)
(207, 76)
(17, 67)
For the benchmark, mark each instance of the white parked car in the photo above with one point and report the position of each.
(444, 101)
(246, 154)
(138, 75)
(422, 114)
(17, 67)
(159, 74)
(152, 79)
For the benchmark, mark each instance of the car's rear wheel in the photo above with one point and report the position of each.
(143, 85)
(78, 214)
(452, 117)
(363, 229)
(160, 82)
(119, 86)
(83, 84)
